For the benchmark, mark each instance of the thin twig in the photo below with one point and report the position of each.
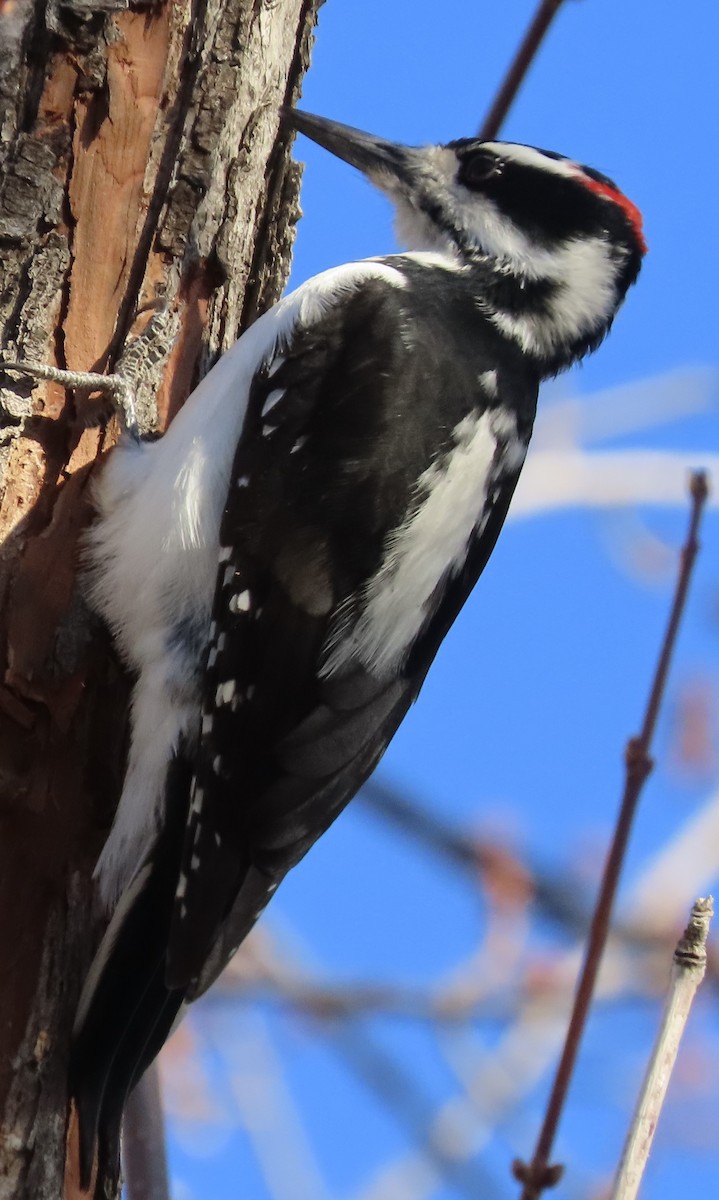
(539, 1175)
(515, 76)
(143, 1141)
(687, 973)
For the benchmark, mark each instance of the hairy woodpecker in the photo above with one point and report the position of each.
(281, 567)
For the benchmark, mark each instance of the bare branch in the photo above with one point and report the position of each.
(517, 72)
(574, 478)
(687, 973)
(692, 854)
(539, 1175)
(270, 1116)
(572, 418)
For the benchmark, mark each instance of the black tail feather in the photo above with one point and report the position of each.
(126, 1010)
(137, 1050)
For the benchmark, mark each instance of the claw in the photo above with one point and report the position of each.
(118, 388)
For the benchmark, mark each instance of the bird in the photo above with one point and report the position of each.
(280, 568)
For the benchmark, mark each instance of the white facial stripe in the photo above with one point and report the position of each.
(498, 236)
(528, 156)
(431, 545)
(584, 300)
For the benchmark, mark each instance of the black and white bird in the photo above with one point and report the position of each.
(281, 567)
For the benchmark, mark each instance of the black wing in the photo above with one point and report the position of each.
(336, 437)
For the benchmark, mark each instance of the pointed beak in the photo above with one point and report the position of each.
(380, 160)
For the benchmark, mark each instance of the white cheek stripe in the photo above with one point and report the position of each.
(430, 546)
(583, 302)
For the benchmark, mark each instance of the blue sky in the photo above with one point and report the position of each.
(521, 725)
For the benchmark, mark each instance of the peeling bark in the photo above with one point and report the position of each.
(140, 174)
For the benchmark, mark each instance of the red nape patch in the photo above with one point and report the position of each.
(630, 210)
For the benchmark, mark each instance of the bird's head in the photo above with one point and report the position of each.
(530, 214)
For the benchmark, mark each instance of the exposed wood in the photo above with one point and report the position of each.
(140, 174)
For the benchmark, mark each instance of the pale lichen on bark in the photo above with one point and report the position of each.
(142, 177)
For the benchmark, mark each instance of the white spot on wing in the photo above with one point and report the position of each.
(488, 384)
(273, 398)
(240, 602)
(225, 692)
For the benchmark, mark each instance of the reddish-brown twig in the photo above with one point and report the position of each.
(538, 1174)
(523, 60)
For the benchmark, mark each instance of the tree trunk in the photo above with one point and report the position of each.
(141, 177)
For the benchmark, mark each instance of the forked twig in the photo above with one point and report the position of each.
(688, 968)
(538, 1175)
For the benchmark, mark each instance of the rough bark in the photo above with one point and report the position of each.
(140, 174)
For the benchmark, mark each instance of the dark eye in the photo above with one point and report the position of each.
(478, 167)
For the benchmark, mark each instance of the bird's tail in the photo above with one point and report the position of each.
(126, 1010)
